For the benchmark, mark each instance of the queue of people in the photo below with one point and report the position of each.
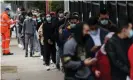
(92, 50)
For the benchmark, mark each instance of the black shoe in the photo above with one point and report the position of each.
(31, 55)
(58, 66)
(8, 54)
(26, 55)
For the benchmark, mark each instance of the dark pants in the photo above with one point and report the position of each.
(29, 40)
(50, 52)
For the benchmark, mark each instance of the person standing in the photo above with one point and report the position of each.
(96, 37)
(75, 60)
(49, 41)
(130, 56)
(5, 31)
(29, 31)
(117, 49)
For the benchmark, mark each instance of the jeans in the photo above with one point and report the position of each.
(59, 52)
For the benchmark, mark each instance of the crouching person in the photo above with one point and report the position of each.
(76, 64)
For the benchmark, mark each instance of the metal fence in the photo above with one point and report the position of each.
(117, 9)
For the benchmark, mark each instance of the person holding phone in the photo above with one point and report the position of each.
(75, 60)
(96, 36)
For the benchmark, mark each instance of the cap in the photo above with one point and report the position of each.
(7, 9)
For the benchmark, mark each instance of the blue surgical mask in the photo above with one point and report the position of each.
(94, 32)
(130, 33)
(104, 22)
(48, 19)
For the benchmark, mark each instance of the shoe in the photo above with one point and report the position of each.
(20, 46)
(41, 57)
(8, 54)
(58, 66)
(47, 68)
(53, 66)
(26, 55)
(36, 54)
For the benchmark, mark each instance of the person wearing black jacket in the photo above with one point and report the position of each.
(49, 41)
(117, 51)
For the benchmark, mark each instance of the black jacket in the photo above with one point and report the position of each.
(116, 49)
(48, 32)
(90, 42)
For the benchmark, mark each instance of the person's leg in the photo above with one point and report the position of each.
(57, 57)
(53, 53)
(47, 54)
(31, 44)
(26, 44)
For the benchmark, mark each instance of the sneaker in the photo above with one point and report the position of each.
(41, 57)
(47, 68)
(58, 66)
(36, 54)
(20, 46)
(51, 62)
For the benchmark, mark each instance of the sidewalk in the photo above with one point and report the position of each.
(17, 67)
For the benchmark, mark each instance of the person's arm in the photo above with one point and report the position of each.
(67, 58)
(111, 52)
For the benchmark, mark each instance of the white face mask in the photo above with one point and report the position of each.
(48, 19)
(30, 17)
(104, 22)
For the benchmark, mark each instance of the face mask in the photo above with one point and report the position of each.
(93, 32)
(104, 22)
(130, 33)
(48, 19)
(30, 17)
(72, 25)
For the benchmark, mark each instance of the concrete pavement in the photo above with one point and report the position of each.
(17, 67)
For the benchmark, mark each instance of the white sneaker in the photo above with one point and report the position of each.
(36, 54)
(41, 57)
(47, 68)
(20, 46)
(51, 62)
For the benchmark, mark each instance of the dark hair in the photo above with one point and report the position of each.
(92, 21)
(122, 23)
(103, 11)
(30, 13)
(78, 34)
(74, 17)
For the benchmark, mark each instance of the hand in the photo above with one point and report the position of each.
(90, 61)
(50, 42)
(60, 31)
(97, 73)
(94, 48)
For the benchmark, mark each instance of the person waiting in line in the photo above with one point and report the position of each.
(96, 37)
(130, 56)
(105, 22)
(29, 28)
(49, 41)
(102, 72)
(66, 30)
(117, 49)
(61, 21)
(76, 63)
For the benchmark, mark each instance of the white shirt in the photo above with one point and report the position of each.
(96, 38)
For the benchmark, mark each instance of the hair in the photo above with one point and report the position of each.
(30, 13)
(103, 11)
(92, 21)
(122, 23)
(74, 17)
(78, 34)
